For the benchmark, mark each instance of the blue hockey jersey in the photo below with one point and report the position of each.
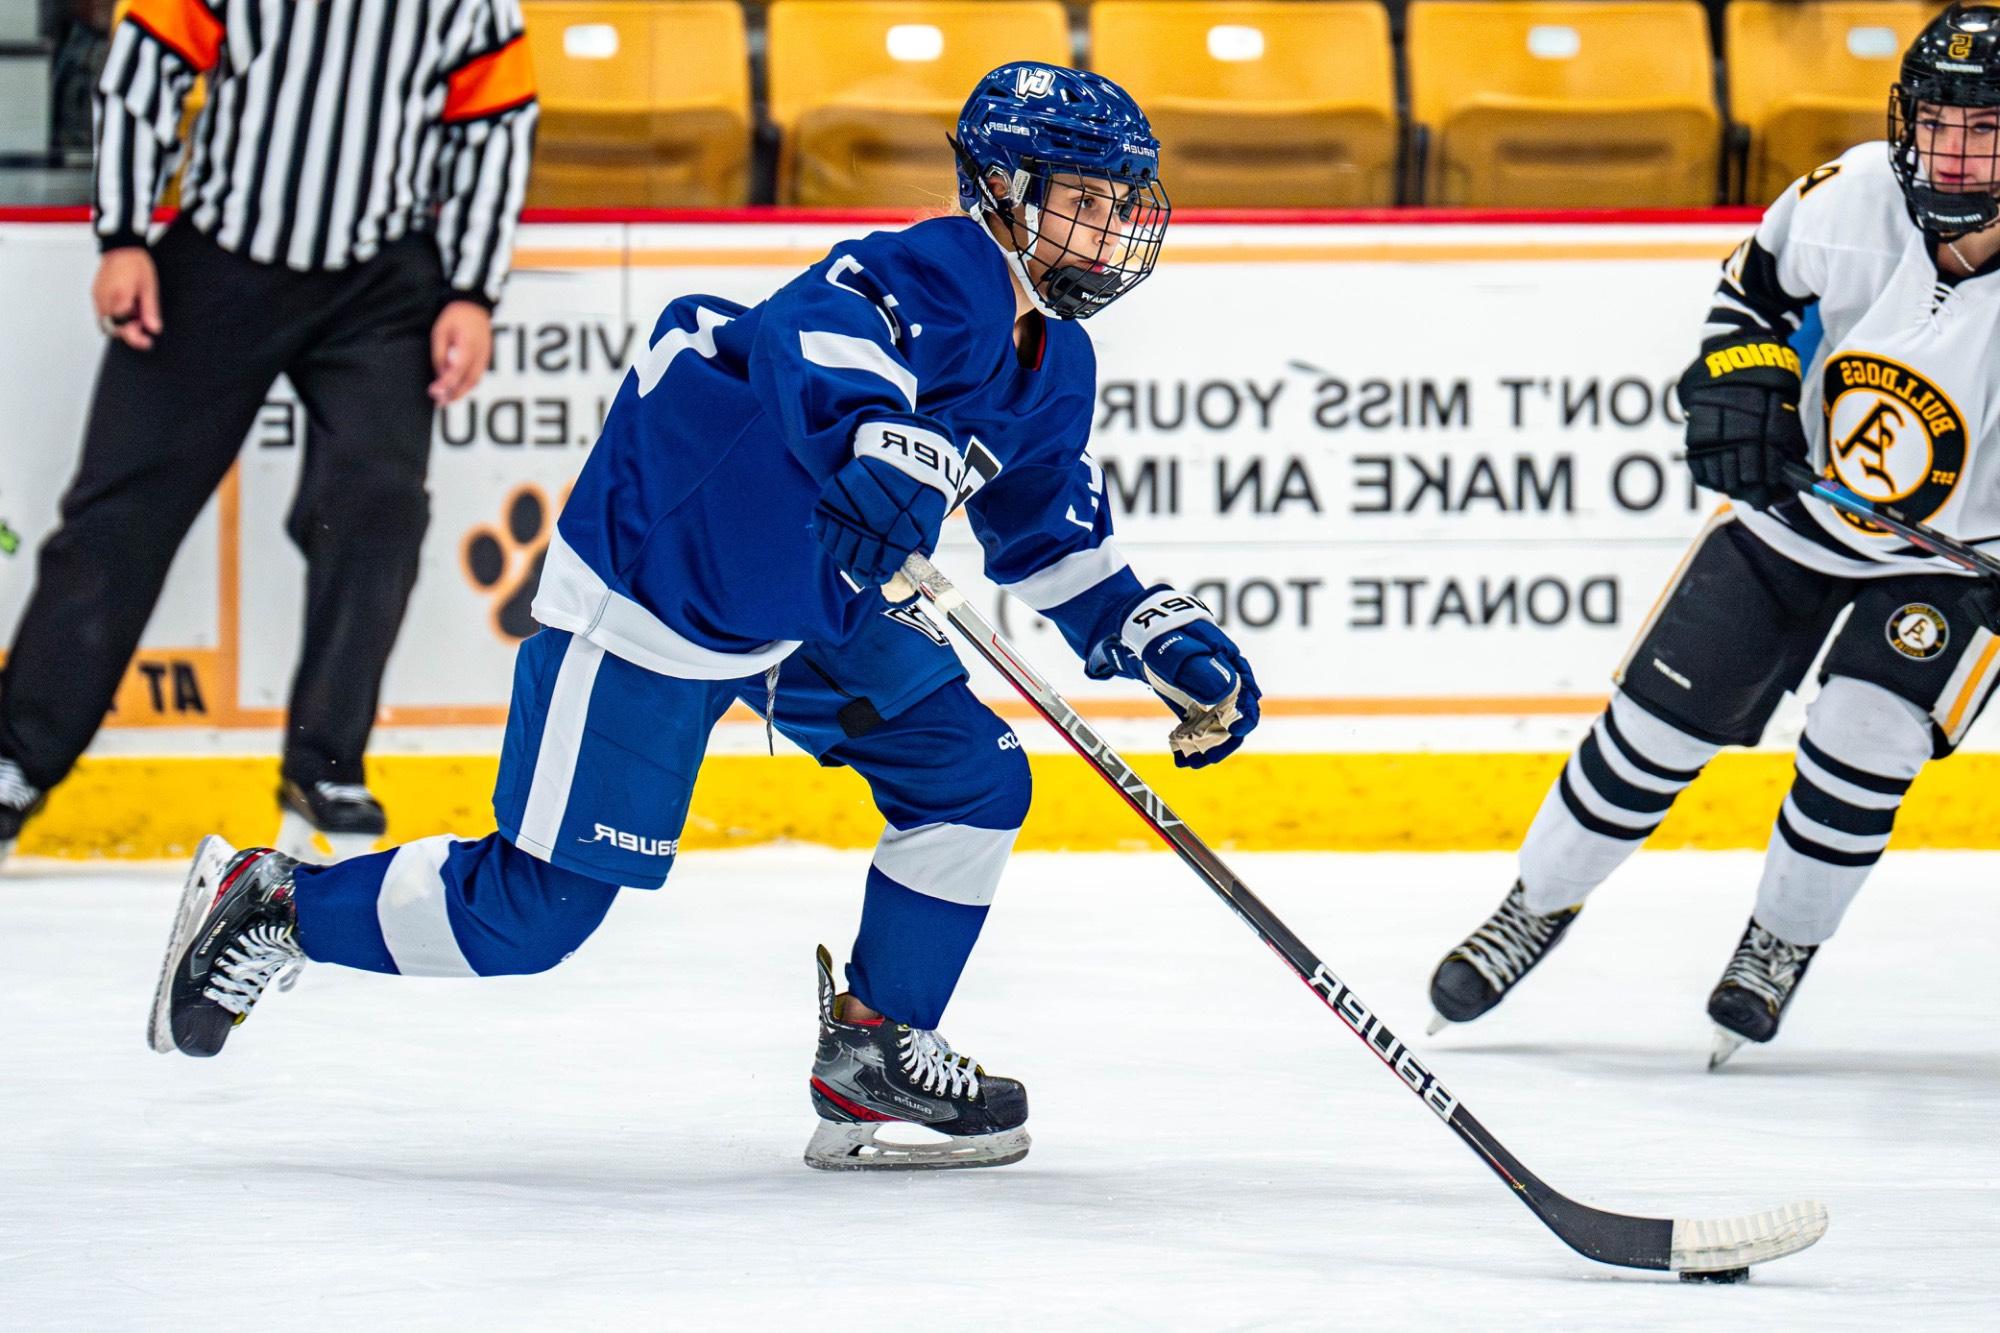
(684, 546)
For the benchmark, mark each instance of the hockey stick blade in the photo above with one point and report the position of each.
(1807, 482)
(1677, 1244)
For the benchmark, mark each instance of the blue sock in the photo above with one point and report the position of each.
(910, 951)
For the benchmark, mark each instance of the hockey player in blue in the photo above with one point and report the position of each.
(762, 474)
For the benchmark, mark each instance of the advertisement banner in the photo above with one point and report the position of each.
(1425, 474)
(1422, 466)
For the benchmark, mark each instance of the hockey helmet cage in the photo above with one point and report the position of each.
(1030, 124)
(1954, 62)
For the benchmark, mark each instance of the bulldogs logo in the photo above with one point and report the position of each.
(1892, 435)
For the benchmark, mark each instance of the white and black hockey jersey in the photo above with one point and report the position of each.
(1902, 395)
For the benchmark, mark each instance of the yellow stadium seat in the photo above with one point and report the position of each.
(1808, 81)
(863, 92)
(1259, 103)
(1564, 104)
(644, 103)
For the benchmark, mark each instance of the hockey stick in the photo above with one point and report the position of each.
(1722, 1249)
(1803, 479)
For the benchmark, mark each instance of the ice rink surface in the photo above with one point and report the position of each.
(616, 1144)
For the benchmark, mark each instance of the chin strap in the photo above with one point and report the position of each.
(1017, 263)
(988, 206)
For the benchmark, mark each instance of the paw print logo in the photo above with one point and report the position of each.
(504, 561)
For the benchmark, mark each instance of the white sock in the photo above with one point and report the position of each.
(1861, 748)
(1614, 791)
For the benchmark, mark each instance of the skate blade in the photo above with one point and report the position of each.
(211, 858)
(302, 840)
(838, 1146)
(1726, 1044)
(1437, 1024)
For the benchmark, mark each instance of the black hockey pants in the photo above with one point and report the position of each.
(164, 427)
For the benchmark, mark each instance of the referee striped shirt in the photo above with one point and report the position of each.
(332, 127)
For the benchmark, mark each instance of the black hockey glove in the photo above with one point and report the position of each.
(1741, 398)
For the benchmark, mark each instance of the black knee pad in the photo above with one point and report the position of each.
(1737, 628)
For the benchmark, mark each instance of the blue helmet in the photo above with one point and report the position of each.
(1030, 123)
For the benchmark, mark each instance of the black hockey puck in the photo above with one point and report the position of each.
(1720, 1275)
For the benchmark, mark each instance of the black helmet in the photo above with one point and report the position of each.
(1954, 62)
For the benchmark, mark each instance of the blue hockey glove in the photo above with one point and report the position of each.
(1169, 640)
(888, 500)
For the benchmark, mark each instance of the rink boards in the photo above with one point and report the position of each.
(1424, 472)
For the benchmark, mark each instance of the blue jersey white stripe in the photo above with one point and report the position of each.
(685, 544)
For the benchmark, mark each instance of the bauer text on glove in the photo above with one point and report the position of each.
(888, 500)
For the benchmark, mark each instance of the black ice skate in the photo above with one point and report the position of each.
(323, 822)
(867, 1075)
(1478, 974)
(233, 936)
(18, 800)
(1758, 984)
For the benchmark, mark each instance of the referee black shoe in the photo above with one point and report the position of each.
(323, 822)
(18, 800)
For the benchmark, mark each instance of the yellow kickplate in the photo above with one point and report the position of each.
(161, 807)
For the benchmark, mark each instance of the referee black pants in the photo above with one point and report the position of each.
(164, 427)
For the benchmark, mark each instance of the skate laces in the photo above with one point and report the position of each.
(1503, 949)
(1766, 966)
(262, 954)
(936, 1067)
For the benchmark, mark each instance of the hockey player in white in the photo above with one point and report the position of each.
(1900, 400)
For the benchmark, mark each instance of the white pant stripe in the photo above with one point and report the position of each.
(1958, 703)
(953, 862)
(412, 914)
(562, 740)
